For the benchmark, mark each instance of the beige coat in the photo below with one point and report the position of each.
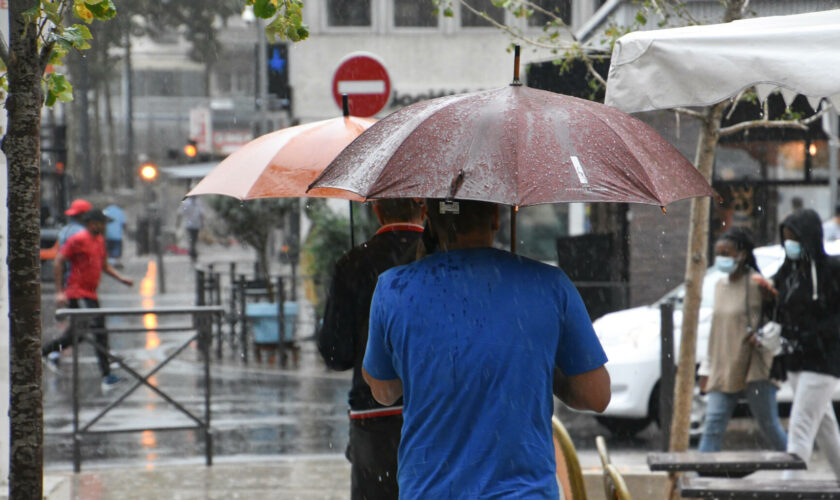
(733, 361)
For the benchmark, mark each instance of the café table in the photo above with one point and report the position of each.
(724, 463)
(758, 489)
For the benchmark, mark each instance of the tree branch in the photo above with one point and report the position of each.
(765, 123)
(4, 51)
(735, 103)
(691, 113)
(510, 31)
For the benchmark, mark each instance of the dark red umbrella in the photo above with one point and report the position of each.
(516, 146)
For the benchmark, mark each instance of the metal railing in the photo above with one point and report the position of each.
(201, 317)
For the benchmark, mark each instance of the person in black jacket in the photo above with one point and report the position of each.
(808, 309)
(374, 429)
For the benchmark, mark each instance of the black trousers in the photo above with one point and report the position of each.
(193, 235)
(372, 451)
(66, 338)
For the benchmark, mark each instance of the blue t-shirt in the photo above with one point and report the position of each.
(114, 229)
(474, 335)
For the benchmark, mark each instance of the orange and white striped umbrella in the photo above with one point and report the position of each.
(283, 163)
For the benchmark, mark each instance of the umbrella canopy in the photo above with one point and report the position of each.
(516, 146)
(281, 164)
(704, 65)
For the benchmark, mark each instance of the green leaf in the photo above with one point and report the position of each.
(57, 88)
(264, 8)
(80, 9)
(76, 36)
(31, 15)
(448, 12)
(102, 9)
(640, 18)
(52, 13)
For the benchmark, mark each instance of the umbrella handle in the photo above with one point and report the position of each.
(345, 105)
(516, 82)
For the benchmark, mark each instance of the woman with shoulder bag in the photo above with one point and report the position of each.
(808, 304)
(737, 365)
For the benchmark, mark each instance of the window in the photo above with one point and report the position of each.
(414, 13)
(348, 13)
(470, 19)
(560, 8)
(168, 83)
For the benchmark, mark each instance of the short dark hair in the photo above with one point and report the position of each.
(837, 209)
(399, 209)
(458, 216)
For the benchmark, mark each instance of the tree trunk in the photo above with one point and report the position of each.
(22, 148)
(698, 241)
(695, 269)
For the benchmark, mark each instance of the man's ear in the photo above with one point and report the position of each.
(378, 215)
(494, 223)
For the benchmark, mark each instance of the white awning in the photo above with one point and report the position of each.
(704, 65)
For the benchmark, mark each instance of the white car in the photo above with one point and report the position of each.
(631, 339)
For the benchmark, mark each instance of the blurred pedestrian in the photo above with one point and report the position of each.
(75, 216)
(737, 365)
(192, 216)
(85, 251)
(808, 294)
(374, 428)
(831, 227)
(114, 234)
(75, 224)
(477, 339)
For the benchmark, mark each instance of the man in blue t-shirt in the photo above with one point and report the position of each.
(476, 340)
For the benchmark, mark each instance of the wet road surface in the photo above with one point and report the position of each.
(258, 410)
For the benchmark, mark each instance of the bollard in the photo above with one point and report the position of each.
(668, 371)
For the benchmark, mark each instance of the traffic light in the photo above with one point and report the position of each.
(148, 172)
(191, 149)
(277, 60)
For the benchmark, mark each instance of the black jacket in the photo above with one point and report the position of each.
(808, 309)
(343, 337)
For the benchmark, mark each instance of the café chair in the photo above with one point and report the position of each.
(571, 476)
(614, 486)
(601, 446)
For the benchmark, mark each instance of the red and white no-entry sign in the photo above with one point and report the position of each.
(364, 79)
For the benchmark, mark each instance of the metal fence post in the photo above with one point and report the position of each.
(281, 319)
(77, 445)
(243, 330)
(668, 371)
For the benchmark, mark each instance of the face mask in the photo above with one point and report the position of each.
(725, 264)
(793, 249)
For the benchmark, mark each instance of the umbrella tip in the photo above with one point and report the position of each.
(456, 184)
(345, 105)
(664, 210)
(516, 81)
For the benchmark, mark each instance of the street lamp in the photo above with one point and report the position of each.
(148, 172)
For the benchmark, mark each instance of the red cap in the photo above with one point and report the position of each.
(78, 206)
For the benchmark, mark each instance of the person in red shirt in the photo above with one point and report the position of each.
(85, 252)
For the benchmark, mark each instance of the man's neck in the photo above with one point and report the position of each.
(471, 240)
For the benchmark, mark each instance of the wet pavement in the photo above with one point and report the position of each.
(278, 432)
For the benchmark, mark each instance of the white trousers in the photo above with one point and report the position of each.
(812, 419)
